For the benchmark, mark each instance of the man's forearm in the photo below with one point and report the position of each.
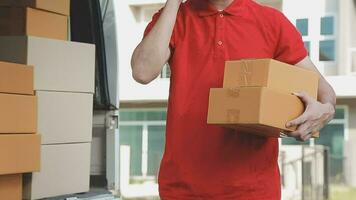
(153, 52)
(326, 94)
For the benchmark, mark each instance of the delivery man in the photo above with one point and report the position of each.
(196, 37)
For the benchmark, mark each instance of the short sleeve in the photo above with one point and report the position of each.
(152, 23)
(290, 46)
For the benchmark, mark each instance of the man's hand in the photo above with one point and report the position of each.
(314, 118)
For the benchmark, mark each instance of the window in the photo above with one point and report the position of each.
(166, 71)
(327, 45)
(131, 136)
(327, 50)
(156, 135)
(319, 34)
(303, 26)
(327, 25)
(332, 136)
(144, 131)
(307, 46)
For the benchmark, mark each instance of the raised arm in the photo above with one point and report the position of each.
(153, 51)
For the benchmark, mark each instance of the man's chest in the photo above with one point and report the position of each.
(227, 37)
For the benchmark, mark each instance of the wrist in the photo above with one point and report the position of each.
(330, 107)
(175, 2)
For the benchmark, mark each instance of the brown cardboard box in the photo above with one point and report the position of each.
(56, 6)
(11, 187)
(272, 74)
(52, 60)
(65, 117)
(65, 169)
(16, 78)
(19, 153)
(258, 110)
(17, 21)
(18, 113)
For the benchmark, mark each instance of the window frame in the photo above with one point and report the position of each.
(145, 125)
(314, 37)
(344, 122)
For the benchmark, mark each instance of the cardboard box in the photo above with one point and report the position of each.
(65, 117)
(11, 187)
(56, 6)
(65, 169)
(34, 22)
(19, 153)
(272, 74)
(16, 78)
(257, 110)
(18, 113)
(58, 65)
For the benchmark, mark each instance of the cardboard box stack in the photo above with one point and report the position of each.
(19, 143)
(64, 85)
(257, 96)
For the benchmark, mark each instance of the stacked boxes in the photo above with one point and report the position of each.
(19, 143)
(29, 21)
(257, 96)
(64, 85)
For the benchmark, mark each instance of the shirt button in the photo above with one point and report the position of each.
(221, 15)
(220, 43)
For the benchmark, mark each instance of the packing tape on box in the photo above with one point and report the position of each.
(246, 73)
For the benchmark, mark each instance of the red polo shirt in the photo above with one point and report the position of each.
(209, 162)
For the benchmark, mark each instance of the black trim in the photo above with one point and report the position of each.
(87, 26)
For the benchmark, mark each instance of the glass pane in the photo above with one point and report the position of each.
(332, 136)
(339, 113)
(132, 136)
(327, 50)
(131, 116)
(327, 26)
(302, 26)
(143, 115)
(168, 71)
(307, 46)
(156, 116)
(293, 141)
(156, 142)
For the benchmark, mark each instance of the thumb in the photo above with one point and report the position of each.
(303, 96)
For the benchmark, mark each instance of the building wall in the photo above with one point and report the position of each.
(350, 147)
(314, 11)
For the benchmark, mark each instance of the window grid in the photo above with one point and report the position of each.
(314, 37)
(145, 138)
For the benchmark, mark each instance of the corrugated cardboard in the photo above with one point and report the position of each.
(16, 78)
(272, 74)
(56, 6)
(19, 153)
(65, 169)
(58, 65)
(11, 187)
(18, 113)
(65, 117)
(34, 22)
(257, 110)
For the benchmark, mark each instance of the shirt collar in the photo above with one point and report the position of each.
(205, 8)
